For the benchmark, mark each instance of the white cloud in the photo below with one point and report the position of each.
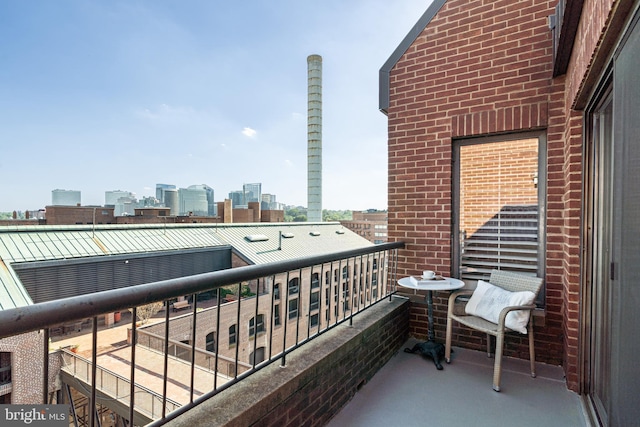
(249, 132)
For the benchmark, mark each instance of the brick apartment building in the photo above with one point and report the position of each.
(496, 108)
(372, 225)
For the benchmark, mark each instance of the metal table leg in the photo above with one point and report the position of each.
(430, 315)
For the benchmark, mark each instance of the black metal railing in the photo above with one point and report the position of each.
(287, 304)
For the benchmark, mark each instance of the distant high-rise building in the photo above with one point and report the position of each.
(65, 197)
(171, 201)
(149, 202)
(268, 202)
(193, 201)
(123, 202)
(211, 204)
(111, 197)
(237, 199)
(252, 192)
(160, 190)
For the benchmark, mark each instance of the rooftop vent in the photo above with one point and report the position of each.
(314, 233)
(339, 231)
(257, 238)
(288, 235)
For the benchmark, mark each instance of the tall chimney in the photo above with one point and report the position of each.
(314, 139)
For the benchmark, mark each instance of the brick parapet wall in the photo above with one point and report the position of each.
(318, 380)
(587, 46)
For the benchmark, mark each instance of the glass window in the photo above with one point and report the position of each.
(232, 334)
(315, 300)
(294, 286)
(211, 342)
(499, 194)
(276, 314)
(256, 326)
(313, 320)
(293, 308)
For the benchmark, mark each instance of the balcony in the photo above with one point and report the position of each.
(341, 347)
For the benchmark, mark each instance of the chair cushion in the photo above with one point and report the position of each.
(488, 300)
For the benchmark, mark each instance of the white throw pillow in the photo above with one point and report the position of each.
(488, 300)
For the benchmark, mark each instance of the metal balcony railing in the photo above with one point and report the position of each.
(286, 305)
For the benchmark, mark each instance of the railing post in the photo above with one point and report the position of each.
(94, 366)
(45, 367)
(134, 340)
(194, 321)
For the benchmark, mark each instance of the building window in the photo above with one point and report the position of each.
(276, 291)
(294, 286)
(257, 357)
(313, 320)
(315, 301)
(499, 192)
(211, 342)
(293, 308)
(327, 278)
(315, 281)
(345, 290)
(256, 326)
(232, 335)
(276, 314)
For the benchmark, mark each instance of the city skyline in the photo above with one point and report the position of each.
(100, 96)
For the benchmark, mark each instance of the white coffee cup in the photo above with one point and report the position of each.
(428, 274)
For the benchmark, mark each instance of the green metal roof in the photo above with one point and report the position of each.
(299, 240)
(43, 243)
(23, 244)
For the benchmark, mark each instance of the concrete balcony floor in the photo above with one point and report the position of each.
(410, 391)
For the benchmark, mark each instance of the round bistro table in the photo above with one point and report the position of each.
(438, 283)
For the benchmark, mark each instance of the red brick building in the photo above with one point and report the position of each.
(69, 215)
(371, 224)
(521, 118)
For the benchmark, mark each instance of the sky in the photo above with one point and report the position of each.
(121, 95)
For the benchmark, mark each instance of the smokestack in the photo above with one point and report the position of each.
(314, 139)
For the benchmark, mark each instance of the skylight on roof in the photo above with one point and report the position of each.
(257, 238)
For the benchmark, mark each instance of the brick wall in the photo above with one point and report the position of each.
(64, 215)
(600, 25)
(480, 68)
(26, 367)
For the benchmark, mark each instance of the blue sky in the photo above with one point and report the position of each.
(121, 95)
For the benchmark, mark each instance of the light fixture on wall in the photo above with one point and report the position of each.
(534, 178)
